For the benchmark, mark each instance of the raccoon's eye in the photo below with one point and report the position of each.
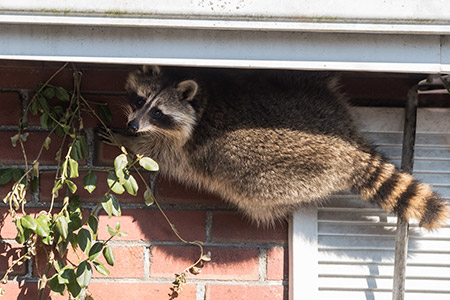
(140, 102)
(156, 114)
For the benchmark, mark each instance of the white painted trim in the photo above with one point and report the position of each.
(345, 11)
(303, 255)
(253, 64)
(336, 27)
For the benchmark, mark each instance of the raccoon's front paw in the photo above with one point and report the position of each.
(107, 136)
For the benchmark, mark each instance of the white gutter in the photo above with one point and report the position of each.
(335, 27)
(411, 36)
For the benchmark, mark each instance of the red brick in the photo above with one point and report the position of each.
(237, 292)
(40, 261)
(129, 262)
(170, 192)
(116, 105)
(146, 224)
(104, 80)
(27, 291)
(8, 253)
(226, 263)
(28, 78)
(7, 227)
(11, 110)
(47, 182)
(277, 264)
(132, 290)
(106, 153)
(13, 155)
(228, 226)
(376, 87)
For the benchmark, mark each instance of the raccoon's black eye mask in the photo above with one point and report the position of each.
(136, 101)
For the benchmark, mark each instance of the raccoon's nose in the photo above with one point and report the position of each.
(133, 126)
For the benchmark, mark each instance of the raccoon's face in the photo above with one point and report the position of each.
(159, 105)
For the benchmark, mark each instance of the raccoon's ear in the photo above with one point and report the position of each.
(151, 69)
(187, 89)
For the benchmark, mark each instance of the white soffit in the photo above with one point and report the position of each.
(367, 35)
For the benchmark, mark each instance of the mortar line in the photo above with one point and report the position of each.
(262, 264)
(208, 226)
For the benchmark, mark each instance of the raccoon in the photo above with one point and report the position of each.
(265, 141)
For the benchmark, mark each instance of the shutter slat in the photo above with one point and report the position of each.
(356, 239)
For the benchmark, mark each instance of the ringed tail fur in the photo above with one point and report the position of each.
(395, 191)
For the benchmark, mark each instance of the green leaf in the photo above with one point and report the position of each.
(104, 112)
(109, 256)
(122, 175)
(58, 186)
(83, 145)
(111, 205)
(114, 184)
(62, 94)
(71, 185)
(84, 240)
(75, 221)
(65, 274)
(17, 174)
(58, 111)
(73, 287)
(29, 222)
(93, 224)
(43, 103)
(48, 93)
(55, 285)
(14, 139)
(131, 186)
(5, 176)
(149, 164)
(84, 274)
(62, 226)
(95, 250)
(90, 181)
(47, 240)
(64, 169)
(76, 150)
(74, 204)
(20, 238)
(59, 131)
(111, 231)
(148, 197)
(43, 228)
(34, 108)
(62, 245)
(101, 268)
(44, 120)
(120, 162)
(73, 168)
(58, 265)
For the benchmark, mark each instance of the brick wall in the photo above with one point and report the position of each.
(247, 262)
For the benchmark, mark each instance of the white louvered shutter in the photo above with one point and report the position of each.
(349, 252)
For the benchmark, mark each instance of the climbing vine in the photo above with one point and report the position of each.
(58, 231)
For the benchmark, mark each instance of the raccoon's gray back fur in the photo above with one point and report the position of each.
(266, 141)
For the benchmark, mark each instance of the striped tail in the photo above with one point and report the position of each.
(395, 191)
